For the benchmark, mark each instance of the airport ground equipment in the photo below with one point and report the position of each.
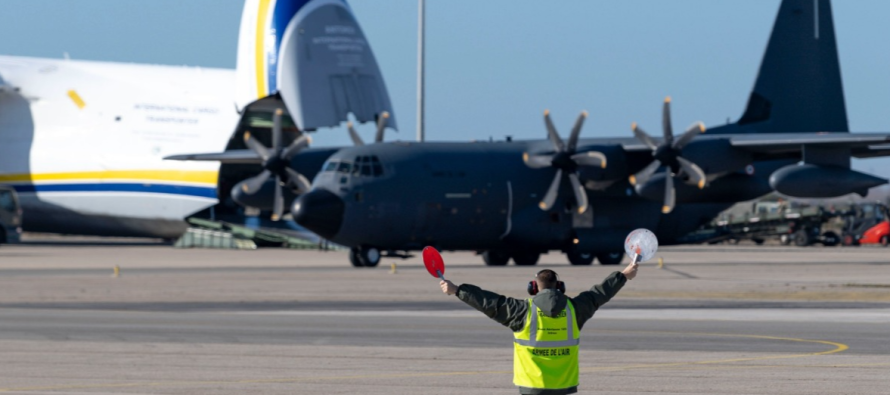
(867, 224)
(800, 226)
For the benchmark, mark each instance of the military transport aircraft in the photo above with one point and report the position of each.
(518, 199)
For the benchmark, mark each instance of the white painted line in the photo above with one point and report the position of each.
(776, 315)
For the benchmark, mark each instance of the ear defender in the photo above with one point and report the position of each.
(532, 287)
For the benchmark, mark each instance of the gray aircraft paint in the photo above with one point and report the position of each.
(326, 58)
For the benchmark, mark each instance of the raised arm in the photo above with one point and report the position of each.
(587, 302)
(505, 310)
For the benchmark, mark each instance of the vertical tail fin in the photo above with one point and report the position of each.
(799, 87)
(315, 57)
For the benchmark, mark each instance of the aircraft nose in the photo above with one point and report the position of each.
(319, 211)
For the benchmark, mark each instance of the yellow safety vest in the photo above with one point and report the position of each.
(545, 351)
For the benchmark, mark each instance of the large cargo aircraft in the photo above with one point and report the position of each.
(83, 142)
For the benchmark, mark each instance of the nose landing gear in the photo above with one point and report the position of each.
(364, 256)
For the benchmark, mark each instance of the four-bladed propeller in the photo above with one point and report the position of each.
(565, 160)
(667, 155)
(378, 138)
(275, 162)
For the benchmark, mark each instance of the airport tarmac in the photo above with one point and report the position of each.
(712, 319)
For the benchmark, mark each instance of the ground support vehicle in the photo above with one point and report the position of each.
(867, 224)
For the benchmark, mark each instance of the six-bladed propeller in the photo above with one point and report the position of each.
(378, 138)
(565, 160)
(667, 155)
(275, 162)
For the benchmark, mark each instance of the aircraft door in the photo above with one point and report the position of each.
(460, 212)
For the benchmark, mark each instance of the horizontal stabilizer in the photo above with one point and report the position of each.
(242, 156)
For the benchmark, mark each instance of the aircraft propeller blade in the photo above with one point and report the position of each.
(298, 180)
(278, 203)
(666, 121)
(576, 131)
(643, 175)
(580, 195)
(356, 139)
(295, 147)
(551, 132)
(381, 124)
(256, 146)
(550, 197)
(590, 158)
(644, 137)
(276, 129)
(694, 130)
(253, 184)
(696, 175)
(537, 161)
(670, 195)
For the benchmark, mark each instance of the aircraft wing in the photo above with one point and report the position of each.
(243, 156)
(861, 145)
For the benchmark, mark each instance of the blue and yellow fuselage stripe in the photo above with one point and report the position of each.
(176, 182)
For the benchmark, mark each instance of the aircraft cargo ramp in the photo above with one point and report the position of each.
(204, 233)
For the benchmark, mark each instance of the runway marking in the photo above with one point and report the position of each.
(838, 347)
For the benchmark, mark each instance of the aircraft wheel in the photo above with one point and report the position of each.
(495, 258)
(802, 238)
(578, 258)
(526, 258)
(354, 259)
(885, 240)
(830, 239)
(610, 258)
(364, 256)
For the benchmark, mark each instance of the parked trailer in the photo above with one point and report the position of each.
(801, 226)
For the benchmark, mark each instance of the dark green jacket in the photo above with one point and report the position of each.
(511, 312)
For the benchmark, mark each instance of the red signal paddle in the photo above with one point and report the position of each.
(434, 263)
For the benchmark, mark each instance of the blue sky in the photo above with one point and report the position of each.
(493, 66)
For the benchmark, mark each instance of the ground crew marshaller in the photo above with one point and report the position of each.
(546, 327)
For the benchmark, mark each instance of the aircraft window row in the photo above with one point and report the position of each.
(367, 166)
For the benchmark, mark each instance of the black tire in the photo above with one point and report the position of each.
(577, 258)
(364, 257)
(2, 236)
(495, 258)
(354, 258)
(758, 241)
(850, 241)
(526, 258)
(610, 258)
(802, 238)
(885, 240)
(830, 239)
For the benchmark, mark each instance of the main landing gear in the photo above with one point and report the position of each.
(529, 258)
(501, 258)
(579, 258)
(364, 256)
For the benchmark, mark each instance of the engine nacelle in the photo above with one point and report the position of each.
(815, 181)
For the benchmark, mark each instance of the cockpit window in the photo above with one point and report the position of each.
(363, 166)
